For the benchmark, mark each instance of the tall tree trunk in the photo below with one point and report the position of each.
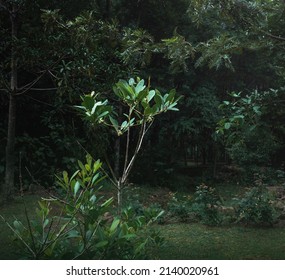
(10, 148)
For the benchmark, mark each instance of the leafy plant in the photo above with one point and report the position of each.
(249, 137)
(143, 105)
(128, 237)
(257, 207)
(206, 205)
(180, 207)
(81, 225)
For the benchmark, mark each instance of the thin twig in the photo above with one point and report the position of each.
(30, 230)
(19, 236)
(88, 241)
(112, 172)
(139, 143)
(28, 86)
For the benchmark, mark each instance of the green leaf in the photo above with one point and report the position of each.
(139, 87)
(150, 95)
(126, 92)
(65, 177)
(173, 109)
(97, 165)
(74, 175)
(129, 236)
(73, 234)
(101, 244)
(143, 94)
(81, 165)
(131, 81)
(227, 125)
(158, 98)
(170, 97)
(87, 167)
(124, 125)
(94, 107)
(93, 199)
(76, 188)
(18, 225)
(94, 179)
(115, 224)
(107, 202)
(46, 222)
(148, 111)
(256, 109)
(88, 102)
(114, 123)
(103, 114)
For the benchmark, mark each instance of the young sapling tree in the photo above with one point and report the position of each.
(142, 104)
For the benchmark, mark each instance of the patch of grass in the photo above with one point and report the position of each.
(182, 241)
(11, 212)
(196, 241)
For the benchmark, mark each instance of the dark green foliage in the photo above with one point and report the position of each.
(206, 205)
(250, 136)
(180, 207)
(82, 226)
(257, 207)
(204, 49)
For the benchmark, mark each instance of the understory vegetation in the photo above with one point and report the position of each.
(162, 223)
(132, 129)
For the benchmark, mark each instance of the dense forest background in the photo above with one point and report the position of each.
(225, 58)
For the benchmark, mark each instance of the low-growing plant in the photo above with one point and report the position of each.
(180, 207)
(81, 225)
(206, 205)
(257, 207)
(129, 237)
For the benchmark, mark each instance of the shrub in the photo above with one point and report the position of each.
(206, 205)
(180, 207)
(82, 227)
(257, 207)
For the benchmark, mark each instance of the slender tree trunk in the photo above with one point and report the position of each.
(197, 155)
(10, 148)
(117, 156)
(118, 149)
(119, 197)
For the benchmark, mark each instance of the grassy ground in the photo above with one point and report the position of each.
(196, 241)
(182, 241)
(15, 210)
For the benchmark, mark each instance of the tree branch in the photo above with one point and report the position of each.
(143, 131)
(274, 36)
(3, 6)
(30, 85)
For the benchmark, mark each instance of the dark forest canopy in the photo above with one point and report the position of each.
(224, 57)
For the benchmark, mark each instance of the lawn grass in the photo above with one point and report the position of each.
(11, 212)
(196, 241)
(182, 241)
